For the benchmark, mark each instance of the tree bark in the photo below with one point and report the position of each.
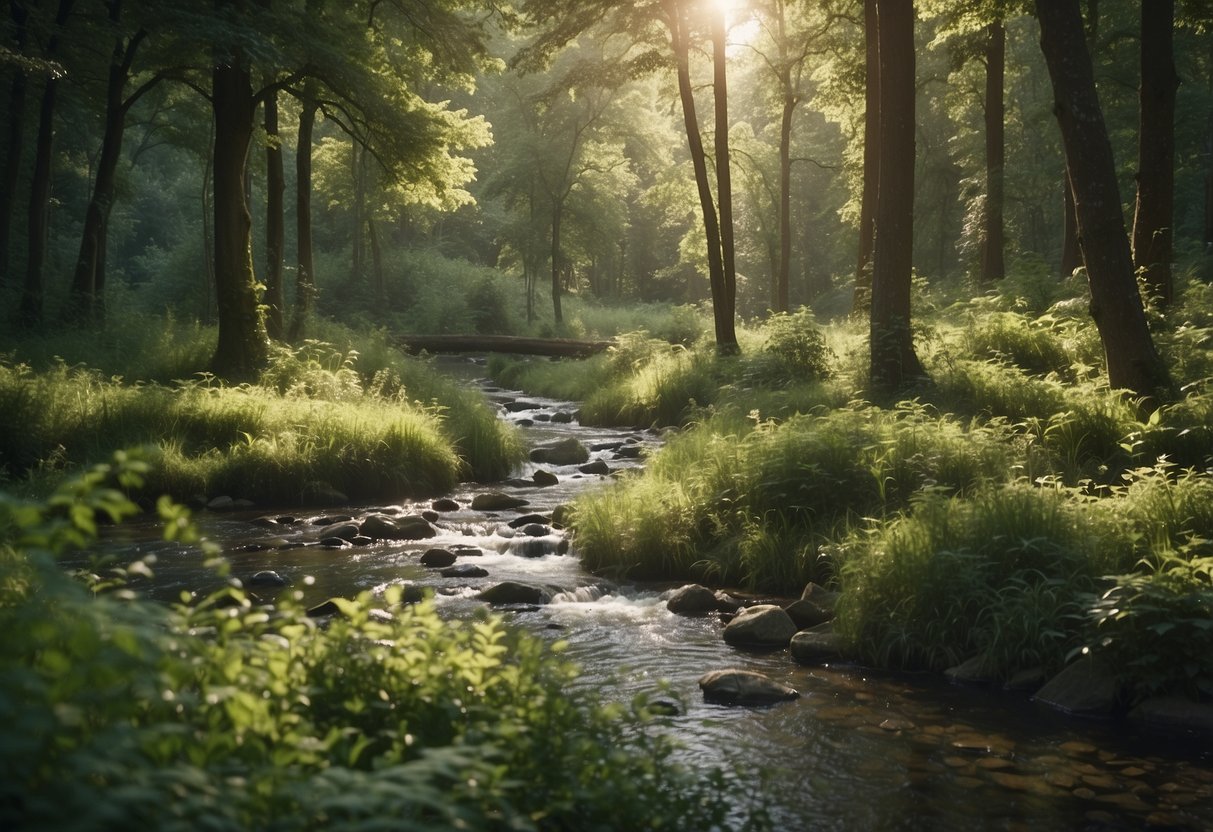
(275, 223)
(243, 348)
(1132, 361)
(893, 361)
(790, 102)
(724, 192)
(305, 281)
(1071, 252)
(680, 42)
(993, 265)
(15, 115)
(358, 171)
(861, 304)
(30, 310)
(557, 212)
(378, 287)
(1154, 216)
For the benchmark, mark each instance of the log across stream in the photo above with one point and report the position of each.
(858, 750)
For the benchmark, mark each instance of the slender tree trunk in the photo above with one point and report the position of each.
(15, 115)
(208, 237)
(243, 348)
(378, 287)
(1154, 217)
(993, 265)
(1071, 252)
(790, 101)
(30, 311)
(680, 40)
(893, 361)
(358, 170)
(724, 191)
(305, 278)
(861, 304)
(1133, 363)
(275, 223)
(86, 302)
(557, 211)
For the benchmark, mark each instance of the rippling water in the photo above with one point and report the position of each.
(859, 750)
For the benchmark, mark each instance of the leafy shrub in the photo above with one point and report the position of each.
(1156, 629)
(229, 715)
(793, 350)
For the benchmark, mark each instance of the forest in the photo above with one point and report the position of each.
(909, 304)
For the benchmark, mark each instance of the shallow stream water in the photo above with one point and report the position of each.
(859, 750)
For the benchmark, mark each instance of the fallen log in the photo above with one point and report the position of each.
(513, 344)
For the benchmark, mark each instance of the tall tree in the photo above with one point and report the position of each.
(893, 360)
(1071, 252)
(993, 266)
(14, 135)
(1132, 361)
(242, 348)
(275, 222)
(724, 181)
(305, 274)
(86, 298)
(1154, 217)
(862, 302)
(30, 311)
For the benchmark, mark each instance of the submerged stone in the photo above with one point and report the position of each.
(743, 687)
(692, 599)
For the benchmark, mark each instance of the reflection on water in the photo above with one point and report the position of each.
(860, 750)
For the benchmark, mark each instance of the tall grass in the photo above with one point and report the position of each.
(323, 420)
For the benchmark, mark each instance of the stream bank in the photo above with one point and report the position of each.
(858, 749)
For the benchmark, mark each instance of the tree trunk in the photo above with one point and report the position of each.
(680, 41)
(378, 288)
(790, 101)
(1153, 219)
(725, 306)
(15, 116)
(893, 361)
(275, 223)
(243, 348)
(86, 302)
(1071, 252)
(557, 211)
(208, 242)
(861, 304)
(30, 311)
(1132, 361)
(993, 265)
(305, 280)
(358, 170)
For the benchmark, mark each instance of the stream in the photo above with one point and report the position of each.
(859, 750)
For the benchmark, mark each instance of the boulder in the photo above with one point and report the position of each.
(333, 543)
(692, 599)
(817, 645)
(519, 405)
(1028, 680)
(535, 530)
(444, 504)
(514, 592)
(743, 687)
(526, 519)
(361, 540)
(344, 530)
(464, 570)
(819, 595)
(727, 603)
(267, 577)
(330, 519)
(409, 527)
(496, 501)
(437, 558)
(545, 479)
(595, 467)
(562, 417)
(565, 452)
(1086, 687)
(808, 613)
(629, 452)
(561, 514)
(765, 625)
(221, 504)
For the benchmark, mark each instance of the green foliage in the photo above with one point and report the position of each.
(793, 351)
(998, 575)
(1155, 629)
(367, 424)
(255, 719)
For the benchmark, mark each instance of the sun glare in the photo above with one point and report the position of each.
(739, 20)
